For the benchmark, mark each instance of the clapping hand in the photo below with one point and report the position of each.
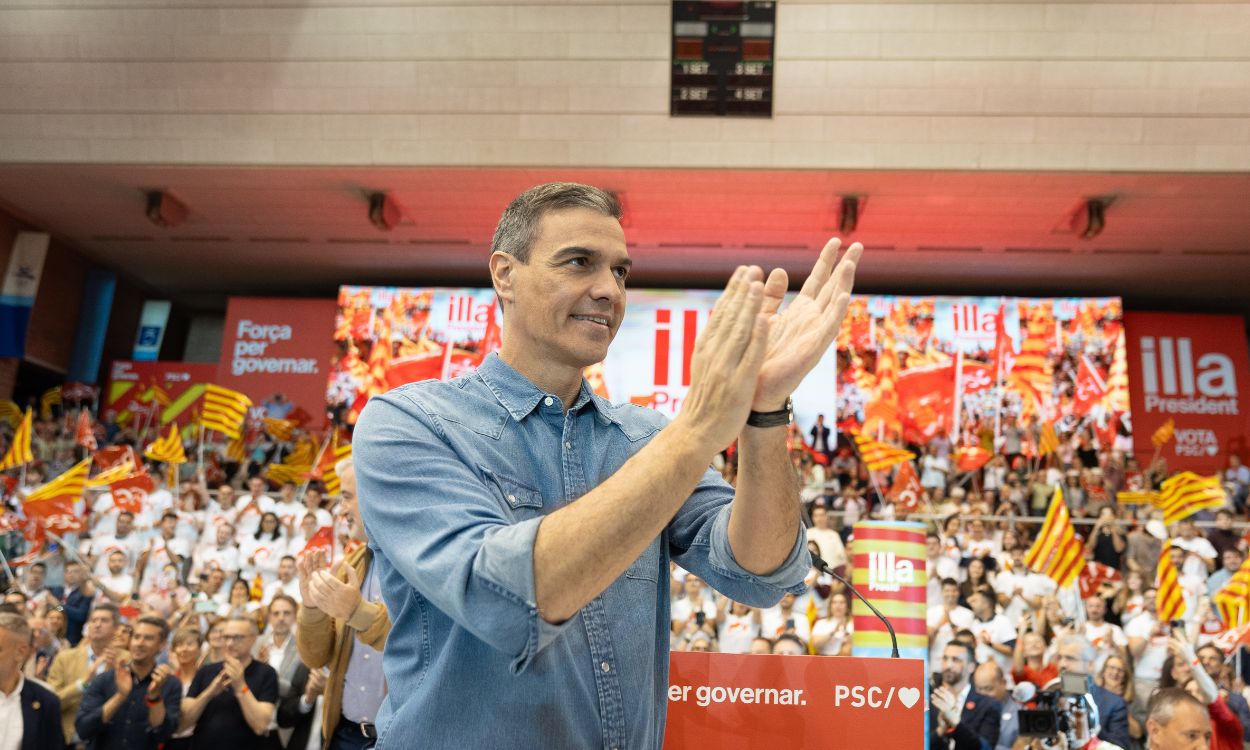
(332, 596)
(124, 679)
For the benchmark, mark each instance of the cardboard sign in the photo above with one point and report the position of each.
(730, 701)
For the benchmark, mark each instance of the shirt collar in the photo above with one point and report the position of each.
(17, 691)
(518, 395)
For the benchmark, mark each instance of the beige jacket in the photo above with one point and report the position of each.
(65, 677)
(323, 640)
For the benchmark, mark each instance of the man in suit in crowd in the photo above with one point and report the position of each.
(343, 624)
(961, 718)
(30, 714)
(988, 680)
(1077, 654)
(72, 669)
(277, 649)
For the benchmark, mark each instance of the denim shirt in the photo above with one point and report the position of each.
(454, 479)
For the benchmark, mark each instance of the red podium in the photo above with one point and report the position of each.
(776, 702)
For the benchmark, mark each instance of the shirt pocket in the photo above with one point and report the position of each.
(519, 499)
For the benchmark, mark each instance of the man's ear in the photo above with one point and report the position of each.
(502, 268)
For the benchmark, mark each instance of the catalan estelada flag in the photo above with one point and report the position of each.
(1057, 552)
(878, 456)
(1186, 493)
(19, 453)
(1233, 599)
(167, 449)
(1170, 602)
(1165, 433)
(224, 410)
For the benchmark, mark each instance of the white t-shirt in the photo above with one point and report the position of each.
(247, 518)
(773, 623)
(227, 559)
(121, 583)
(266, 552)
(291, 589)
(831, 546)
(1018, 585)
(936, 570)
(103, 546)
(683, 610)
(960, 618)
(1149, 665)
(839, 632)
(1106, 639)
(1000, 632)
(158, 558)
(289, 514)
(981, 547)
(736, 632)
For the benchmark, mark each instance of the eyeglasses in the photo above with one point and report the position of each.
(233, 638)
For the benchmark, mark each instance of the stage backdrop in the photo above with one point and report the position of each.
(443, 333)
(275, 345)
(156, 393)
(1191, 369)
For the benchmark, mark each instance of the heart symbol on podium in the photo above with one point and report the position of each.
(908, 696)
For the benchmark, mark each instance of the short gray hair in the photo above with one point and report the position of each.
(1164, 701)
(1088, 652)
(517, 227)
(16, 624)
(244, 618)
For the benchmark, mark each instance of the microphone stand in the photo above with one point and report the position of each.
(823, 567)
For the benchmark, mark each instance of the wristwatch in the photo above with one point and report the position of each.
(772, 418)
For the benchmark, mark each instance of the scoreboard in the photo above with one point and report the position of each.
(723, 58)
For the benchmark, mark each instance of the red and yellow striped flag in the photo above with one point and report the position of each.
(10, 412)
(813, 615)
(49, 399)
(1233, 599)
(224, 410)
(1048, 442)
(1165, 433)
(1137, 497)
(167, 449)
(235, 451)
(52, 505)
(19, 452)
(1186, 493)
(280, 429)
(329, 477)
(115, 474)
(1057, 552)
(878, 456)
(1170, 602)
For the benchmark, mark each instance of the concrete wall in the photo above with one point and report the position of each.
(1093, 85)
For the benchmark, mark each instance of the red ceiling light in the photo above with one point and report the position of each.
(848, 214)
(1090, 218)
(164, 210)
(384, 212)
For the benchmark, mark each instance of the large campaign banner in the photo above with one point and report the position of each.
(904, 367)
(1191, 369)
(274, 350)
(385, 337)
(914, 367)
(153, 394)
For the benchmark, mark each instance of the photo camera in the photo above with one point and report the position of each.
(1062, 707)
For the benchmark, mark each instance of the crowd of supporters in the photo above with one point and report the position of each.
(197, 595)
(176, 625)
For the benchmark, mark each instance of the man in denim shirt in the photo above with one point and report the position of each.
(523, 526)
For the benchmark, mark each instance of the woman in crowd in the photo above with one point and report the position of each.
(977, 580)
(1116, 676)
(831, 635)
(186, 657)
(262, 551)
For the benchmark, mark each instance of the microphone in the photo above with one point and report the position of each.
(823, 567)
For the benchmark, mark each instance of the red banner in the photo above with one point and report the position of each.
(156, 393)
(732, 701)
(1192, 369)
(278, 346)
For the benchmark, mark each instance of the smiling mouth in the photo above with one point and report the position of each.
(592, 319)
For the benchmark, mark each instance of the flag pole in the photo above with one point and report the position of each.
(959, 387)
(317, 462)
(199, 448)
(9, 572)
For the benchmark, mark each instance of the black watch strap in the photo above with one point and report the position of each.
(771, 418)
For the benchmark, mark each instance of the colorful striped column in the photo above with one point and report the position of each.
(889, 570)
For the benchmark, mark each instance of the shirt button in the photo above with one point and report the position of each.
(605, 666)
(549, 401)
(512, 499)
(569, 445)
